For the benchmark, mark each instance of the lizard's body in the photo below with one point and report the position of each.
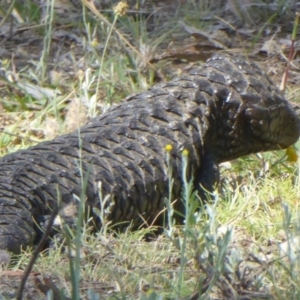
(220, 111)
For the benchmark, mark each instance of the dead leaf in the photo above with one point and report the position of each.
(17, 273)
(206, 39)
(52, 128)
(199, 47)
(38, 92)
(76, 115)
(270, 47)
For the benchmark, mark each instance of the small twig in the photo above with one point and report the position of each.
(292, 48)
(36, 254)
(8, 13)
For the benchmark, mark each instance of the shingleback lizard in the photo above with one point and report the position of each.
(218, 111)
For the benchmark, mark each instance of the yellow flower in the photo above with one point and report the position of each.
(185, 152)
(121, 8)
(291, 154)
(80, 75)
(169, 148)
(94, 43)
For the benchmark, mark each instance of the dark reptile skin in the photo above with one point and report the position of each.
(219, 111)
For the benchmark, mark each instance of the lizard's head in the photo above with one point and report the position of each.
(255, 113)
(274, 123)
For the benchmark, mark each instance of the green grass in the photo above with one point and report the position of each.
(217, 246)
(228, 248)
